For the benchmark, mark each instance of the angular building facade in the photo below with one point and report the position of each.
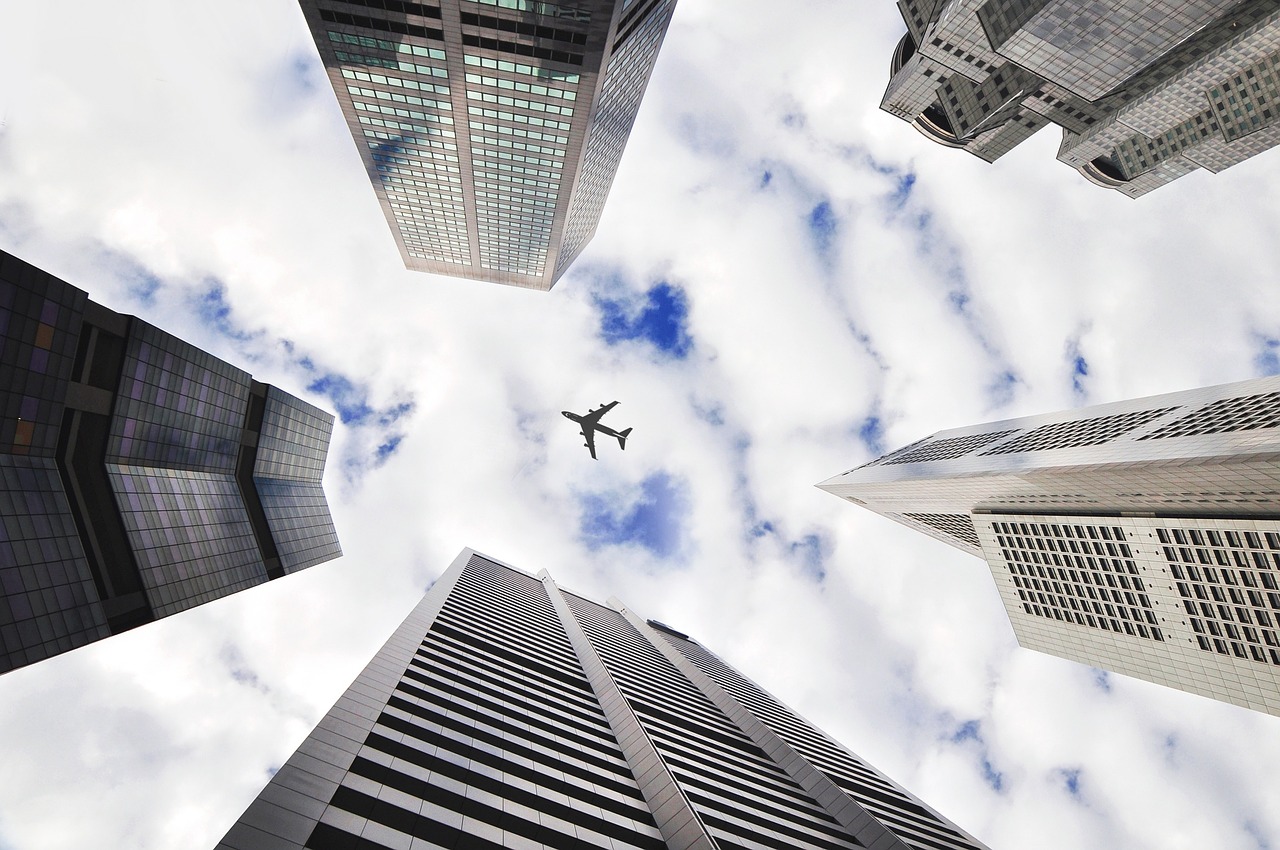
(491, 129)
(1142, 537)
(139, 475)
(507, 712)
(1145, 91)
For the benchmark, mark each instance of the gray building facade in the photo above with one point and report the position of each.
(1145, 91)
(139, 475)
(507, 712)
(491, 129)
(1142, 536)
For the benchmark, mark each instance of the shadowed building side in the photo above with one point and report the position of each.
(126, 460)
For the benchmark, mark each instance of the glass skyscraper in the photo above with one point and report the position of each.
(1141, 536)
(507, 712)
(139, 475)
(1145, 91)
(491, 129)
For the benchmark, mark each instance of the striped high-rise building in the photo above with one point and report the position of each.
(1141, 536)
(139, 475)
(491, 129)
(507, 712)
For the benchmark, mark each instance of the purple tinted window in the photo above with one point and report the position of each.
(30, 408)
(49, 313)
(39, 360)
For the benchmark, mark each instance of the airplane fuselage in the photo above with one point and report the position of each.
(596, 426)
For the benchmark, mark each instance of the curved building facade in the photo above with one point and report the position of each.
(1144, 91)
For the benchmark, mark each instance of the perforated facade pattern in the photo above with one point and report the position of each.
(1225, 416)
(121, 453)
(944, 449)
(1145, 92)
(1151, 547)
(958, 526)
(490, 130)
(1079, 432)
(508, 713)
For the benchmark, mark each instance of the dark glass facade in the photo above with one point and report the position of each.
(1145, 91)
(491, 129)
(506, 712)
(128, 476)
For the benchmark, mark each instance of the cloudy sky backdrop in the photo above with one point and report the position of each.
(786, 282)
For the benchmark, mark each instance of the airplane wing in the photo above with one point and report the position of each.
(590, 434)
(593, 416)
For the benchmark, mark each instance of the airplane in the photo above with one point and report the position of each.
(590, 422)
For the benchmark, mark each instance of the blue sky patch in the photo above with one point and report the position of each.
(971, 730)
(215, 313)
(1267, 360)
(350, 402)
(652, 521)
(871, 433)
(1079, 368)
(1102, 679)
(1071, 781)
(661, 320)
(1002, 388)
(811, 551)
(823, 227)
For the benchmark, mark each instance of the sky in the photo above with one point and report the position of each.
(785, 283)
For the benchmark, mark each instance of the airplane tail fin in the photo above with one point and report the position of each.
(622, 438)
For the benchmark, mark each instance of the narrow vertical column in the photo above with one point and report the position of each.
(672, 812)
(843, 808)
(287, 810)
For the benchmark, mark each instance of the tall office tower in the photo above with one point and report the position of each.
(491, 129)
(139, 475)
(507, 712)
(1145, 91)
(1142, 537)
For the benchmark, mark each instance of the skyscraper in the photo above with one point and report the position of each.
(507, 712)
(491, 129)
(139, 475)
(1142, 536)
(1144, 91)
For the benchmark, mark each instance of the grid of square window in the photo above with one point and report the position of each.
(287, 472)
(1229, 582)
(614, 114)
(177, 405)
(48, 600)
(1082, 574)
(40, 318)
(190, 534)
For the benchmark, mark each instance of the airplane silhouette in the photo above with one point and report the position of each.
(590, 422)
